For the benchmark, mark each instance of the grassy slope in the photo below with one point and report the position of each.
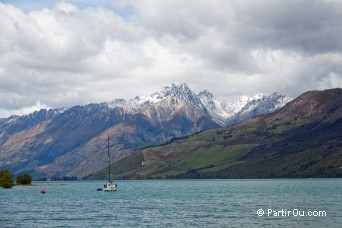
(206, 153)
(312, 151)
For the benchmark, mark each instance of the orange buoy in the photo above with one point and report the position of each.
(42, 191)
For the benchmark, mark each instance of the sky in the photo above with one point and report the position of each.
(63, 53)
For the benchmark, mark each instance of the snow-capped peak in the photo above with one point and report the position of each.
(257, 96)
(214, 107)
(172, 90)
(259, 105)
(207, 94)
(235, 106)
(181, 91)
(176, 96)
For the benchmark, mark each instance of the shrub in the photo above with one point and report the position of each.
(24, 179)
(6, 179)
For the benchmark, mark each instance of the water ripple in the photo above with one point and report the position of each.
(172, 203)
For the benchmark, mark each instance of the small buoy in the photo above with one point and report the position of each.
(42, 191)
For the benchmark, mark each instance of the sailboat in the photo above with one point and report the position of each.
(110, 186)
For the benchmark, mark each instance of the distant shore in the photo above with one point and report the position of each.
(33, 185)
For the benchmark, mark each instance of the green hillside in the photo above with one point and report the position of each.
(303, 139)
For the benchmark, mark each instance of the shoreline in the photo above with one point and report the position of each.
(35, 185)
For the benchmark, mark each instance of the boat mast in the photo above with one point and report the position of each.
(108, 160)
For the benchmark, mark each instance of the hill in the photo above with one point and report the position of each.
(302, 139)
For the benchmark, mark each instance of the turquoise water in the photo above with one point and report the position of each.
(174, 203)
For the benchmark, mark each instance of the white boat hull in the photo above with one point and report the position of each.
(110, 187)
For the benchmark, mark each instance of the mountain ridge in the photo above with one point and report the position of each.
(68, 141)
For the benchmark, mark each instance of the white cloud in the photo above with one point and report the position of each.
(74, 53)
(24, 110)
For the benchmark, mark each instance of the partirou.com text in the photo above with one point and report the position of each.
(287, 213)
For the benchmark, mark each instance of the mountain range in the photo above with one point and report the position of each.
(72, 141)
(301, 139)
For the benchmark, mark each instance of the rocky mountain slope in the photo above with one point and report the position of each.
(302, 139)
(71, 141)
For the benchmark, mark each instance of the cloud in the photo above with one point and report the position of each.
(309, 27)
(24, 110)
(77, 52)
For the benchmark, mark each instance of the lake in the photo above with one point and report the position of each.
(176, 203)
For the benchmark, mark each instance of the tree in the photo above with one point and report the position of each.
(6, 179)
(24, 179)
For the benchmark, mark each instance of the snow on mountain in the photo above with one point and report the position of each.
(174, 92)
(173, 97)
(164, 103)
(178, 92)
(281, 100)
(214, 107)
(235, 106)
(258, 105)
